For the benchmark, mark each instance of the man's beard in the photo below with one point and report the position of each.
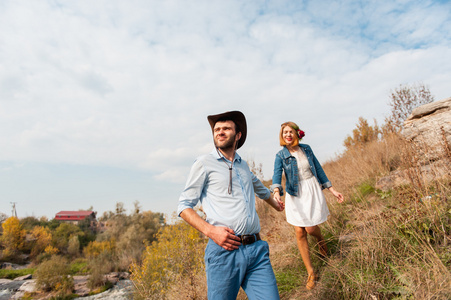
(227, 145)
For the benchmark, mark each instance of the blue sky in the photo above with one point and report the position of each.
(106, 101)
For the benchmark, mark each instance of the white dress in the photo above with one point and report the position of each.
(309, 208)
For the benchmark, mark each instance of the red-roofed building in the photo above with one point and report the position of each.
(75, 216)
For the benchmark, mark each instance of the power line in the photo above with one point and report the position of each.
(14, 212)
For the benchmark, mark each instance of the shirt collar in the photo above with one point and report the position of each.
(218, 157)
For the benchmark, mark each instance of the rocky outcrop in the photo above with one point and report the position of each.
(428, 128)
(122, 289)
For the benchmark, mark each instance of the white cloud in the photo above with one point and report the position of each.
(129, 84)
(178, 175)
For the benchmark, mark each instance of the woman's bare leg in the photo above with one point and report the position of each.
(302, 242)
(301, 239)
(316, 232)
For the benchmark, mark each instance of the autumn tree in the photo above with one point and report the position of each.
(62, 235)
(362, 134)
(13, 237)
(41, 238)
(402, 102)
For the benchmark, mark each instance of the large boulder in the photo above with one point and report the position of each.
(429, 127)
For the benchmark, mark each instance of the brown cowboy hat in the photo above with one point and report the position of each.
(237, 117)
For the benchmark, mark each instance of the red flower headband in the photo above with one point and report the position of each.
(295, 127)
(301, 134)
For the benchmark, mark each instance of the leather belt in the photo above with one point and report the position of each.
(247, 239)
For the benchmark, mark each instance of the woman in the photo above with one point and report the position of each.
(305, 205)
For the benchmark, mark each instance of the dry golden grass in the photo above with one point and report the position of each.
(384, 244)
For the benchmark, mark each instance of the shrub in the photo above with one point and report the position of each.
(97, 277)
(98, 266)
(53, 275)
(172, 264)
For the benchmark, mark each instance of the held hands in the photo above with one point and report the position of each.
(276, 203)
(278, 200)
(281, 205)
(277, 196)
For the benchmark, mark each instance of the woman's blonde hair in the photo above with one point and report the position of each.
(295, 128)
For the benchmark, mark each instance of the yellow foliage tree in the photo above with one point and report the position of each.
(13, 237)
(50, 250)
(96, 248)
(41, 239)
(175, 257)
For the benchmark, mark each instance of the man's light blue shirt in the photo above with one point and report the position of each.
(208, 182)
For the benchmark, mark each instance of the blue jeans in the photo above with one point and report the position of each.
(248, 266)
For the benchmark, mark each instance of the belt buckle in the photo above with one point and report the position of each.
(248, 239)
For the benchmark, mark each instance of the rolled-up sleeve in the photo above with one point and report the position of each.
(277, 177)
(260, 189)
(192, 192)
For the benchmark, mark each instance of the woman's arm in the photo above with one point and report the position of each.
(277, 176)
(337, 195)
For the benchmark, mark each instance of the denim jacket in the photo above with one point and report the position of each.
(287, 163)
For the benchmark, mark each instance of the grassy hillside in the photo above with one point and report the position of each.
(384, 244)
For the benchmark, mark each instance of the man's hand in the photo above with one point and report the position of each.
(224, 237)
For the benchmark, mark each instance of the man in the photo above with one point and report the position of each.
(235, 255)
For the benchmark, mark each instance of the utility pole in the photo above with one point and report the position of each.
(14, 212)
